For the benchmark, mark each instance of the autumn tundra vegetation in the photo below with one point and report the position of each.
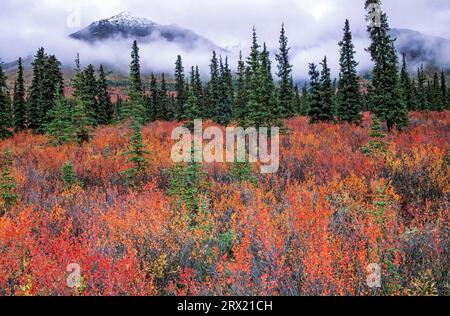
(363, 181)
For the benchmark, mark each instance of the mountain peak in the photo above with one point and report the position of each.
(127, 25)
(129, 18)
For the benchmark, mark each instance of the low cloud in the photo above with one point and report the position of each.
(314, 27)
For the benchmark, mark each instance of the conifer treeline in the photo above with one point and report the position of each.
(248, 95)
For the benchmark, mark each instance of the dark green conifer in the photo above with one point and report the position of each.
(60, 127)
(19, 102)
(240, 103)
(349, 98)
(5, 108)
(136, 157)
(286, 90)
(180, 87)
(386, 97)
(406, 85)
(105, 110)
(135, 107)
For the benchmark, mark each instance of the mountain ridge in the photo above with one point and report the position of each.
(127, 25)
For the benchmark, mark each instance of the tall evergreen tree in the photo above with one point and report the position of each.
(36, 97)
(421, 89)
(262, 106)
(349, 101)
(52, 85)
(80, 117)
(215, 86)
(254, 115)
(135, 108)
(19, 102)
(81, 121)
(191, 109)
(386, 99)
(406, 85)
(105, 108)
(271, 110)
(153, 104)
(436, 96)
(239, 110)
(89, 95)
(315, 100)
(199, 92)
(286, 89)
(226, 93)
(5, 108)
(47, 76)
(60, 127)
(180, 87)
(136, 157)
(77, 81)
(166, 112)
(326, 93)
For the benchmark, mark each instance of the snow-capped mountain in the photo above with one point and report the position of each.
(127, 25)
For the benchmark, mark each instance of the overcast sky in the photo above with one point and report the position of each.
(313, 26)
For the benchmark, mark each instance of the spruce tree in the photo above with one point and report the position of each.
(69, 176)
(315, 102)
(5, 108)
(187, 183)
(406, 85)
(166, 112)
(153, 105)
(239, 110)
(60, 127)
(47, 76)
(19, 103)
(89, 93)
(377, 145)
(224, 112)
(286, 89)
(349, 101)
(386, 98)
(254, 115)
(77, 81)
(136, 173)
(272, 112)
(215, 89)
(436, 96)
(81, 122)
(262, 106)
(180, 87)
(421, 89)
(428, 96)
(191, 110)
(326, 93)
(135, 108)
(53, 84)
(36, 97)
(199, 93)
(105, 108)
